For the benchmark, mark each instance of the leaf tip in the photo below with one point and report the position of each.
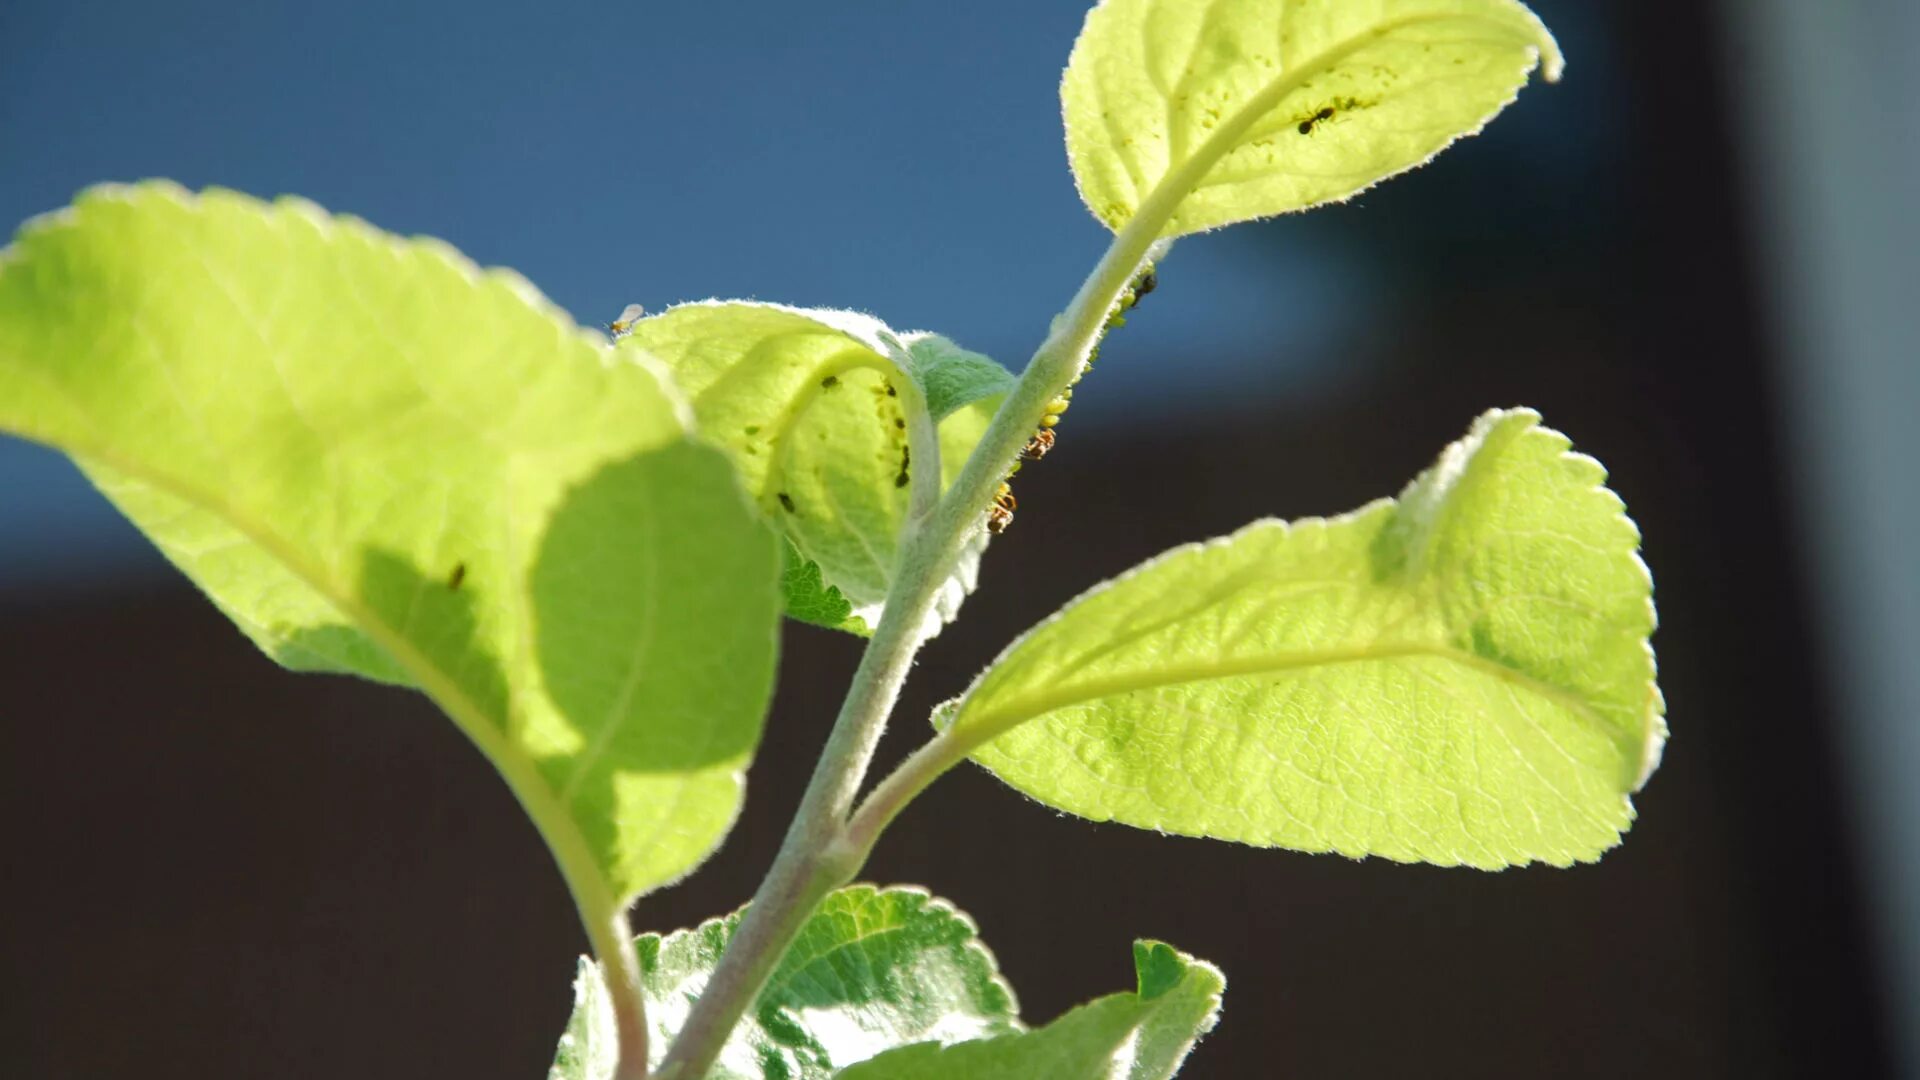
(1157, 967)
(1553, 63)
(1654, 748)
(1547, 56)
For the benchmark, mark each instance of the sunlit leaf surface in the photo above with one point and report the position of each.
(1459, 675)
(378, 459)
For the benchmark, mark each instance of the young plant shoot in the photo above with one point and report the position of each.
(379, 460)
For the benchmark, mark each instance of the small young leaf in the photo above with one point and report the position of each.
(377, 459)
(1144, 1035)
(810, 599)
(871, 970)
(806, 404)
(1461, 675)
(589, 1048)
(952, 377)
(1248, 108)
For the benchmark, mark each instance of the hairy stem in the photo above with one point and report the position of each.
(820, 852)
(804, 872)
(901, 787)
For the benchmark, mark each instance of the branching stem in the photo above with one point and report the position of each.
(823, 849)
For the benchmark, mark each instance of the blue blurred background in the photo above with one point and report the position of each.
(1696, 255)
(904, 159)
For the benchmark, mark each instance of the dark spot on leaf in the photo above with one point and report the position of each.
(786, 500)
(829, 382)
(459, 575)
(906, 456)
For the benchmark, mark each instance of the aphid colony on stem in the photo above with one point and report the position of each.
(1000, 514)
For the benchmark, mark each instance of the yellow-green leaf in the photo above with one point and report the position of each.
(1229, 110)
(1461, 675)
(378, 459)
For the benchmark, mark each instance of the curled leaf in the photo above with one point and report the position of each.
(808, 405)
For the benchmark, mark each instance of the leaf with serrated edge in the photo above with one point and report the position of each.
(1462, 675)
(871, 969)
(378, 459)
(1144, 1035)
(1249, 108)
(805, 403)
(810, 599)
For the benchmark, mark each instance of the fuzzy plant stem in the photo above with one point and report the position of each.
(821, 853)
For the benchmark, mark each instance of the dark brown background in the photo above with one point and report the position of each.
(218, 869)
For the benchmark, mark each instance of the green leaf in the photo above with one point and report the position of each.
(872, 969)
(377, 459)
(808, 405)
(810, 599)
(1461, 675)
(1243, 109)
(1144, 1035)
(590, 1046)
(952, 377)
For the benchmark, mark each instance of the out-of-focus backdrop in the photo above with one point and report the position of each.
(1696, 256)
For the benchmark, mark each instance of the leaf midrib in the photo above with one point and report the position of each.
(1188, 175)
(517, 768)
(997, 720)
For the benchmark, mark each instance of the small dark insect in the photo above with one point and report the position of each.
(459, 575)
(891, 392)
(786, 500)
(906, 458)
(829, 382)
(1325, 113)
(1147, 283)
(1038, 446)
(1000, 514)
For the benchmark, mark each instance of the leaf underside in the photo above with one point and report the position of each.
(1250, 108)
(1459, 676)
(379, 460)
(871, 969)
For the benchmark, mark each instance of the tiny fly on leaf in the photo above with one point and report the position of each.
(623, 325)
